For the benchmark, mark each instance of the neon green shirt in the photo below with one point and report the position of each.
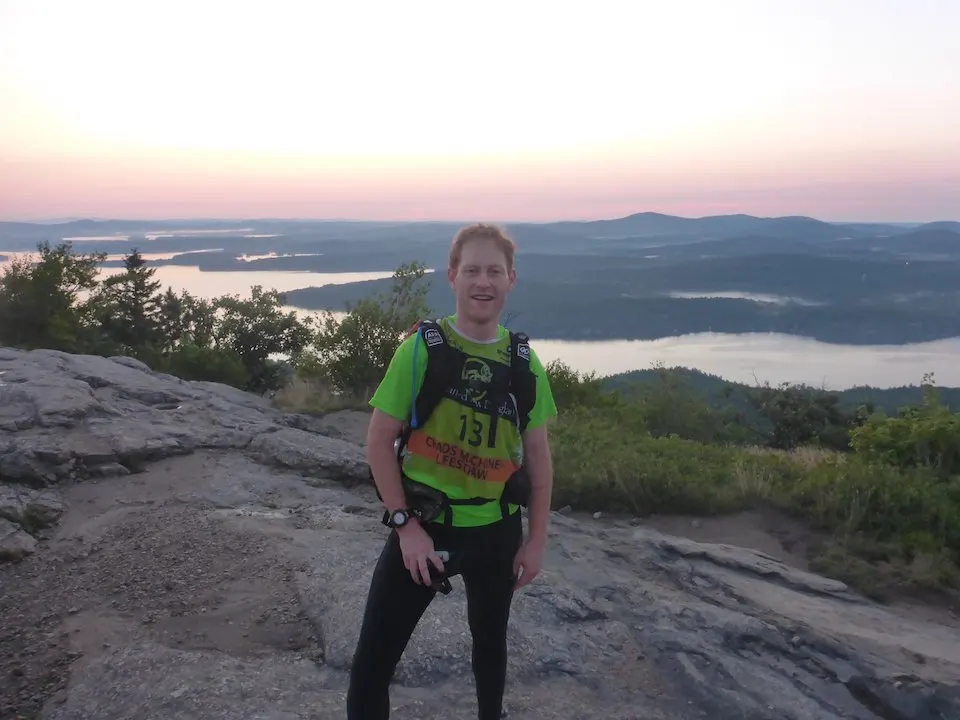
(452, 451)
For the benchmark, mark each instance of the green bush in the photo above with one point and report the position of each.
(573, 389)
(890, 510)
(605, 459)
(858, 497)
(919, 437)
(213, 364)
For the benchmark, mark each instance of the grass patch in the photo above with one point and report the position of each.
(313, 397)
(602, 463)
(883, 571)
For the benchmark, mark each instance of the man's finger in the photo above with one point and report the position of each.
(411, 564)
(424, 570)
(437, 562)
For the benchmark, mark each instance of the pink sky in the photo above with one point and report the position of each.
(91, 188)
(843, 111)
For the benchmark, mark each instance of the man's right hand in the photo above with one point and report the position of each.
(417, 548)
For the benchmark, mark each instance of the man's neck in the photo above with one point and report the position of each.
(486, 332)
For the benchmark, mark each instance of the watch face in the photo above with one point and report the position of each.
(399, 517)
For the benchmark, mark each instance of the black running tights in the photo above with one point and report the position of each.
(396, 603)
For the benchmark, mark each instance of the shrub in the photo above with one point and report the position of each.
(573, 389)
(607, 460)
(919, 437)
(862, 498)
(214, 364)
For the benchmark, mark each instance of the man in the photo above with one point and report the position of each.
(468, 448)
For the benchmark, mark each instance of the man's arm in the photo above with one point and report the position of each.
(381, 434)
(536, 454)
(391, 403)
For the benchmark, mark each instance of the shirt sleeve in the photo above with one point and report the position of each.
(402, 380)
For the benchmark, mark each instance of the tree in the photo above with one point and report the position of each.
(170, 318)
(571, 388)
(42, 303)
(798, 415)
(256, 328)
(128, 308)
(199, 319)
(351, 354)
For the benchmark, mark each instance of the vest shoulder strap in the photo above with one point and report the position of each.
(439, 366)
(523, 382)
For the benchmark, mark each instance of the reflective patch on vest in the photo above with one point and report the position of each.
(433, 337)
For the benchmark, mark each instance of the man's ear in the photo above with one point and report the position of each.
(512, 274)
(451, 275)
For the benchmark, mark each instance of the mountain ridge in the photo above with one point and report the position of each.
(646, 219)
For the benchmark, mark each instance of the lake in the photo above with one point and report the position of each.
(746, 358)
(213, 284)
(768, 357)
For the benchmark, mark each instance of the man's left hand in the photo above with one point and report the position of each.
(527, 563)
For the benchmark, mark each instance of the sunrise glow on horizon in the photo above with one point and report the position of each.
(508, 110)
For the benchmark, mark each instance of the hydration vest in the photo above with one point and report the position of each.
(442, 378)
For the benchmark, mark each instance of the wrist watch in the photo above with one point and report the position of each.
(396, 519)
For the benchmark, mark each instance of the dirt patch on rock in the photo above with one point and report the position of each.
(766, 531)
(127, 564)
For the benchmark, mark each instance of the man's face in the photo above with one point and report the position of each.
(482, 281)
